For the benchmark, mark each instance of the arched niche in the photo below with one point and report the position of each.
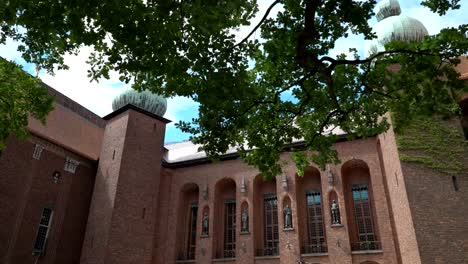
(464, 116)
(205, 221)
(310, 212)
(266, 229)
(360, 206)
(224, 222)
(187, 215)
(287, 204)
(333, 197)
(245, 218)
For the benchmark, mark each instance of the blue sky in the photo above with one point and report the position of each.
(97, 97)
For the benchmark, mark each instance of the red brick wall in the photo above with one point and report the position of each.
(439, 212)
(398, 196)
(77, 134)
(124, 208)
(100, 213)
(206, 176)
(27, 187)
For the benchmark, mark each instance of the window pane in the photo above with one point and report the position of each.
(315, 226)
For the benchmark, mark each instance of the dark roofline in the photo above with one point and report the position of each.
(235, 155)
(132, 107)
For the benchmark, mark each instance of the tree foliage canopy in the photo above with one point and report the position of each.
(21, 96)
(187, 48)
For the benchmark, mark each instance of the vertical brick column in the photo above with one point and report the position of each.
(204, 248)
(122, 217)
(289, 246)
(338, 243)
(245, 248)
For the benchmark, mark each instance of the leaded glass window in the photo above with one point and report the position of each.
(271, 225)
(192, 231)
(363, 215)
(43, 231)
(315, 224)
(229, 229)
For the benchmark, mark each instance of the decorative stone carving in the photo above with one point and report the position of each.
(243, 247)
(287, 217)
(71, 165)
(243, 187)
(205, 193)
(284, 183)
(56, 177)
(245, 220)
(330, 176)
(205, 224)
(335, 212)
(38, 151)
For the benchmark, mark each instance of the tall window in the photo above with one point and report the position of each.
(367, 239)
(229, 229)
(192, 231)
(315, 228)
(271, 225)
(43, 232)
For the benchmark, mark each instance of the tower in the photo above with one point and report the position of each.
(123, 210)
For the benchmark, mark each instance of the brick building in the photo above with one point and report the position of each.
(85, 189)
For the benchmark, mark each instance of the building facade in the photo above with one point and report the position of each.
(82, 189)
(91, 190)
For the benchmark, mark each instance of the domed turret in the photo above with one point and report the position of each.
(392, 26)
(145, 100)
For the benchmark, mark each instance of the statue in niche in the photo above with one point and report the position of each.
(335, 211)
(206, 224)
(287, 217)
(245, 220)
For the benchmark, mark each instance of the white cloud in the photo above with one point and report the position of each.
(9, 51)
(177, 108)
(75, 84)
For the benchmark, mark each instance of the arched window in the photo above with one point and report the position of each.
(266, 236)
(187, 222)
(310, 212)
(225, 219)
(359, 206)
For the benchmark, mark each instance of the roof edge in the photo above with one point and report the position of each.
(74, 106)
(132, 107)
(235, 155)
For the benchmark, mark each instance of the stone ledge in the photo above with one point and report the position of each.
(314, 255)
(223, 259)
(267, 257)
(365, 252)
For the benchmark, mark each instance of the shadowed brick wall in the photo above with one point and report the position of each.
(27, 186)
(123, 211)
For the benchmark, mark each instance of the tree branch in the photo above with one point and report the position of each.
(335, 62)
(257, 26)
(308, 34)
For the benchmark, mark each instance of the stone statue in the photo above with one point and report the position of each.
(245, 220)
(287, 217)
(206, 224)
(335, 211)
